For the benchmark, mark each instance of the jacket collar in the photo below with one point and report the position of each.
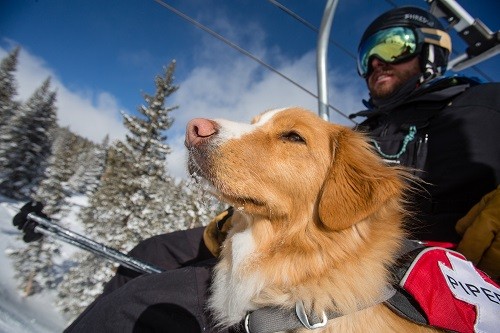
(436, 90)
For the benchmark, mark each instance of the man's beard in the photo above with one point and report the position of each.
(386, 90)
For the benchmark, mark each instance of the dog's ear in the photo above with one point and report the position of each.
(357, 184)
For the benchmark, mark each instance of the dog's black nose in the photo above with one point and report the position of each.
(198, 131)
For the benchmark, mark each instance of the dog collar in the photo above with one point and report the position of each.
(276, 319)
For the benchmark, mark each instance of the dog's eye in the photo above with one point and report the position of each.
(292, 137)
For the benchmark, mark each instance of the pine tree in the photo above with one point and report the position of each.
(146, 137)
(104, 220)
(91, 159)
(34, 266)
(108, 211)
(51, 191)
(126, 208)
(34, 263)
(83, 282)
(8, 88)
(136, 181)
(26, 144)
(194, 206)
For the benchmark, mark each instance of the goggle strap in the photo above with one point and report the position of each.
(436, 37)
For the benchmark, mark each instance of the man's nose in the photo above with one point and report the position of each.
(376, 62)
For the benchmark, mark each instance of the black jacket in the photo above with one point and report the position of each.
(452, 128)
(168, 302)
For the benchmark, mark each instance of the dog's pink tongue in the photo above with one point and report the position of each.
(198, 131)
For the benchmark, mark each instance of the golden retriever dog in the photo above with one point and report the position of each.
(318, 219)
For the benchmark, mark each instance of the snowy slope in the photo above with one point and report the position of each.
(20, 314)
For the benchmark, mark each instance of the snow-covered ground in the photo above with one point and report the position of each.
(19, 314)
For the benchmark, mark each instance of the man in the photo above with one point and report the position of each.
(446, 129)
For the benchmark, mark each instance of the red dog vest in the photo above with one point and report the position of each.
(451, 292)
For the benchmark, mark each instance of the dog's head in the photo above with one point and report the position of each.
(291, 163)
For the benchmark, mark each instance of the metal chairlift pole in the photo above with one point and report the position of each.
(321, 58)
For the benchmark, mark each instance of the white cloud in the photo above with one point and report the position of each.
(93, 118)
(90, 114)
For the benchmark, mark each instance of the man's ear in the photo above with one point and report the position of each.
(358, 182)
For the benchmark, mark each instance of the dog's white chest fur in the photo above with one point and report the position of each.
(243, 246)
(234, 284)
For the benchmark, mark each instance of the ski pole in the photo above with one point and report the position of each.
(51, 233)
(48, 227)
(126, 262)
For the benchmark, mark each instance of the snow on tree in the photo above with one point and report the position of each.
(51, 191)
(193, 205)
(34, 266)
(8, 88)
(78, 162)
(146, 153)
(25, 144)
(108, 211)
(34, 263)
(127, 206)
(83, 283)
(103, 220)
(90, 167)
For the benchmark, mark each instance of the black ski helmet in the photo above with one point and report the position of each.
(433, 55)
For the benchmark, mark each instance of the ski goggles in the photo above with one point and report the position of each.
(397, 44)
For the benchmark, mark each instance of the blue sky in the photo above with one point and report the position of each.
(102, 55)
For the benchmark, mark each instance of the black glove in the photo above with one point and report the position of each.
(28, 226)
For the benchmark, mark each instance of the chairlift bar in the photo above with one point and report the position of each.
(321, 58)
(465, 61)
(453, 12)
(482, 42)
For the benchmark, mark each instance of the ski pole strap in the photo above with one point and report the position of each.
(48, 227)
